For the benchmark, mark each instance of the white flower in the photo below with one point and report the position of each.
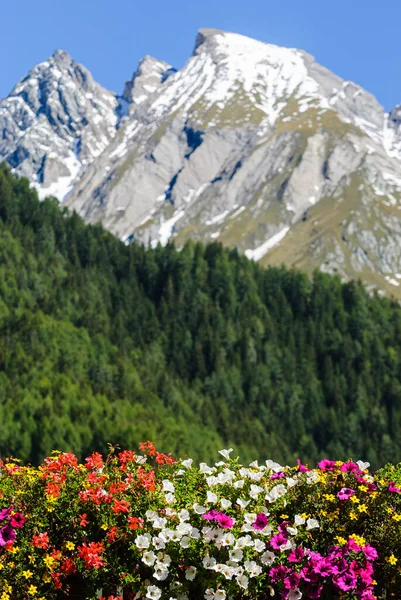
(312, 477)
(153, 592)
(209, 594)
(295, 594)
(212, 480)
(243, 541)
(183, 515)
(250, 518)
(195, 533)
(170, 512)
(299, 520)
(209, 562)
(239, 484)
(252, 568)
(267, 558)
(236, 555)
(286, 546)
(161, 572)
(276, 493)
(151, 515)
(259, 545)
(242, 503)
(254, 465)
(255, 491)
(291, 482)
(164, 558)
(204, 468)
(363, 465)
(273, 466)
(149, 558)
(166, 535)
(142, 541)
(210, 497)
(242, 581)
(225, 570)
(256, 476)
(221, 463)
(226, 453)
(158, 543)
(227, 539)
(200, 510)
(168, 486)
(159, 523)
(190, 574)
(220, 595)
(225, 503)
(187, 463)
(170, 498)
(184, 528)
(140, 460)
(292, 530)
(312, 524)
(184, 542)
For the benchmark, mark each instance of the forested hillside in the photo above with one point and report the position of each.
(196, 349)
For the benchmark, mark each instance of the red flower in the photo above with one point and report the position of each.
(112, 534)
(135, 522)
(83, 522)
(121, 506)
(94, 461)
(41, 541)
(90, 554)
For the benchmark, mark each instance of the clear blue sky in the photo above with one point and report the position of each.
(358, 39)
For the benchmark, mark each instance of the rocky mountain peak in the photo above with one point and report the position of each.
(147, 79)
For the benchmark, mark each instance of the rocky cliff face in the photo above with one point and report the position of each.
(251, 144)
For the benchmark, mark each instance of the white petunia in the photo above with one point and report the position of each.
(159, 523)
(242, 581)
(220, 595)
(312, 524)
(226, 453)
(212, 480)
(291, 482)
(267, 558)
(299, 520)
(170, 512)
(200, 510)
(275, 493)
(252, 568)
(183, 515)
(141, 460)
(256, 476)
(243, 542)
(190, 574)
(239, 484)
(204, 468)
(255, 491)
(170, 498)
(164, 558)
(209, 594)
(160, 572)
(209, 562)
(187, 463)
(225, 503)
(166, 535)
(287, 546)
(151, 515)
(292, 530)
(168, 486)
(210, 498)
(270, 464)
(227, 539)
(363, 465)
(195, 533)
(242, 503)
(236, 555)
(312, 477)
(153, 592)
(259, 545)
(254, 465)
(295, 594)
(149, 558)
(143, 541)
(158, 543)
(184, 528)
(184, 542)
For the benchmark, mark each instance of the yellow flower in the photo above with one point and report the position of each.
(32, 590)
(363, 488)
(363, 508)
(330, 497)
(304, 516)
(31, 559)
(389, 510)
(13, 549)
(49, 561)
(70, 546)
(342, 541)
(353, 516)
(1, 566)
(11, 564)
(392, 559)
(354, 499)
(27, 574)
(49, 508)
(104, 526)
(358, 539)
(374, 494)
(323, 513)
(283, 516)
(5, 596)
(46, 578)
(397, 517)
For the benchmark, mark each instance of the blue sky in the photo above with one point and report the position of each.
(358, 39)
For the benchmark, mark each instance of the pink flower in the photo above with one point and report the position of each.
(352, 546)
(261, 521)
(370, 552)
(17, 520)
(345, 582)
(292, 580)
(345, 494)
(392, 488)
(277, 541)
(349, 467)
(211, 515)
(224, 521)
(7, 535)
(279, 475)
(5, 514)
(327, 465)
(302, 468)
(296, 555)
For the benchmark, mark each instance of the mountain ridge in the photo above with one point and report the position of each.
(252, 144)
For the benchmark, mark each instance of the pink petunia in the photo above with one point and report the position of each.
(392, 488)
(370, 552)
(345, 493)
(261, 521)
(302, 468)
(224, 521)
(17, 520)
(327, 465)
(7, 535)
(277, 541)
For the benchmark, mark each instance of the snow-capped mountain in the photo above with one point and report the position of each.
(249, 143)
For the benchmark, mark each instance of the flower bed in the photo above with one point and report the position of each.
(165, 529)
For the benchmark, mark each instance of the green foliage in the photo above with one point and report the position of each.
(197, 349)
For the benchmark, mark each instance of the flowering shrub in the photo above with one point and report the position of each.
(165, 529)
